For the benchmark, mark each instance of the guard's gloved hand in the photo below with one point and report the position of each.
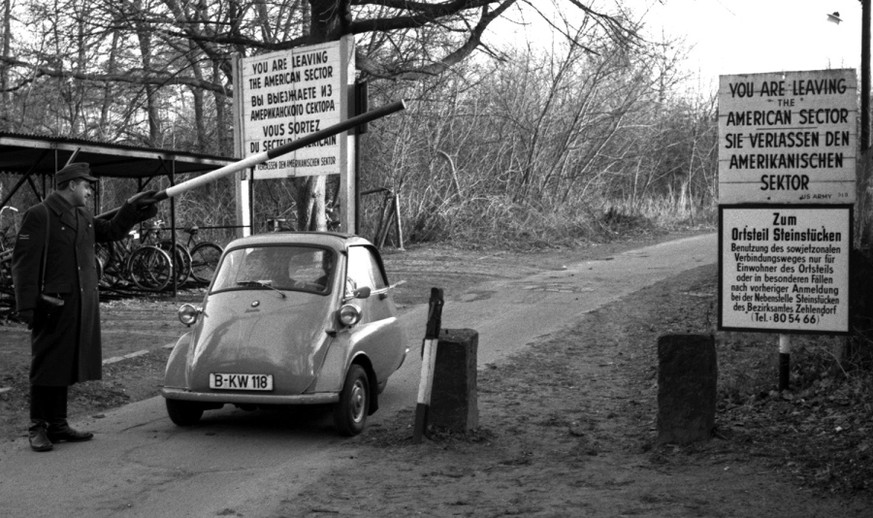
(144, 205)
(26, 316)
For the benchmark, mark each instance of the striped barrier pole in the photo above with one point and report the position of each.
(253, 160)
(428, 360)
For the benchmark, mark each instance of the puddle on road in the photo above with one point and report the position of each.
(557, 288)
(476, 295)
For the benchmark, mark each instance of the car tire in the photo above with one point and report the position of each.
(184, 413)
(350, 414)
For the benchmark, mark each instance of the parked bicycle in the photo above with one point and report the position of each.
(146, 266)
(180, 254)
(204, 256)
(197, 259)
(8, 232)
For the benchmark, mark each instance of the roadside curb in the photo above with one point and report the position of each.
(116, 359)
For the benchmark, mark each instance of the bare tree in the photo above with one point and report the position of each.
(4, 68)
(139, 52)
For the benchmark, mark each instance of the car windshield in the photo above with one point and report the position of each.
(278, 267)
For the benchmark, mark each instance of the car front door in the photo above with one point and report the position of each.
(378, 332)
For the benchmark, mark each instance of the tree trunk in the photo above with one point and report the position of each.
(4, 69)
(328, 22)
(108, 98)
(154, 117)
(222, 115)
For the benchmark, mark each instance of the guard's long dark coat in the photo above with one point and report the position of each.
(65, 341)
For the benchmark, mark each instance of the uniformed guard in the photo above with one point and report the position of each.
(54, 270)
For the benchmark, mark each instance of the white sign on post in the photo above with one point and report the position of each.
(786, 172)
(787, 137)
(785, 268)
(287, 95)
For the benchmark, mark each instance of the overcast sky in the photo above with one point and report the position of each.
(732, 36)
(750, 36)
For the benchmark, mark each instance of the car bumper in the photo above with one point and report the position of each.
(246, 398)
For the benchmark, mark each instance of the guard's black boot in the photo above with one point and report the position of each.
(39, 440)
(61, 431)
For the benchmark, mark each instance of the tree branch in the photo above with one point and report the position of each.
(473, 42)
(130, 77)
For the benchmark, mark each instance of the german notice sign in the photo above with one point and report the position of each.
(787, 137)
(785, 268)
(289, 94)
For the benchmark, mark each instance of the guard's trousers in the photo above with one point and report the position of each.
(48, 405)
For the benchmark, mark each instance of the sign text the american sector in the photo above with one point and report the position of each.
(787, 137)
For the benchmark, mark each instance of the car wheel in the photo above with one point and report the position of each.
(350, 414)
(184, 413)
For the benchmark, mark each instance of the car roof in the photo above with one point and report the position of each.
(334, 240)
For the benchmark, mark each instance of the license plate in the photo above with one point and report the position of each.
(223, 381)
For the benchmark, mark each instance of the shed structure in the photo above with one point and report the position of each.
(41, 156)
(33, 160)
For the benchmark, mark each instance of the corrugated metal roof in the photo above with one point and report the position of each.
(43, 155)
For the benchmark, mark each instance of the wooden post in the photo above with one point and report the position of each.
(428, 359)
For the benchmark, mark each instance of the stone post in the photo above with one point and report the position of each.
(687, 378)
(453, 403)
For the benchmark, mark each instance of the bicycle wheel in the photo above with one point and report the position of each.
(150, 268)
(204, 261)
(107, 263)
(6, 271)
(181, 259)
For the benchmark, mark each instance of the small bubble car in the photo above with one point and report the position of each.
(290, 318)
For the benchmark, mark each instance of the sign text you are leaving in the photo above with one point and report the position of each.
(787, 137)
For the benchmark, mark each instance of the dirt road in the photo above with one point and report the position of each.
(566, 430)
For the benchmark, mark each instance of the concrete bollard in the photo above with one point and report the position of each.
(453, 400)
(687, 379)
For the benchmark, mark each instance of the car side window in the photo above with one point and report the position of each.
(363, 270)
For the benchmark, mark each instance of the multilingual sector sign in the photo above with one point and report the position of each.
(289, 94)
(787, 137)
(784, 268)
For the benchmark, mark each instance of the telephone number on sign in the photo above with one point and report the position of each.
(785, 318)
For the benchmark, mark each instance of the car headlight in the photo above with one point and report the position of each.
(188, 314)
(349, 314)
